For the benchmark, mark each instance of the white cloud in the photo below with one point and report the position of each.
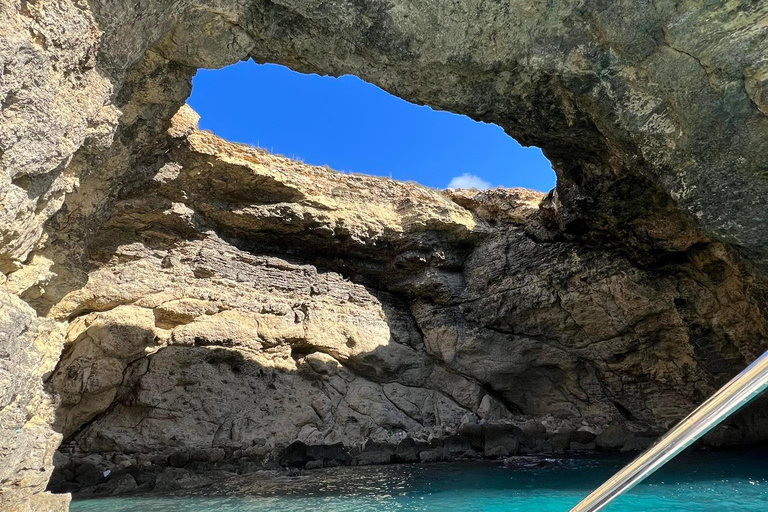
(468, 180)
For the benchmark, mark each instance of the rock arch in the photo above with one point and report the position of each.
(656, 129)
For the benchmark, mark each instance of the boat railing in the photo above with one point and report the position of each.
(727, 400)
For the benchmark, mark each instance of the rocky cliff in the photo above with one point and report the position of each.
(171, 302)
(246, 311)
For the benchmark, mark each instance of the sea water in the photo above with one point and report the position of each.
(695, 482)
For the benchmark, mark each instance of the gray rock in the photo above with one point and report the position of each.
(172, 479)
(613, 438)
(432, 455)
(179, 458)
(88, 474)
(121, 484)
(636, 444)
(330, 455)
(457, 446)
(60, 460)
(408, 450)
(295, 455)
(474, 434)
(376, 453)
(581, 447)
(501, 440)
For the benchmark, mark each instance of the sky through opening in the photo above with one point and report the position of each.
(353, 126)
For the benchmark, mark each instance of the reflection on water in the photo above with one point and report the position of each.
(696, 482)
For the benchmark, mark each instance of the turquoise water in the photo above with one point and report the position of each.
(695, 483)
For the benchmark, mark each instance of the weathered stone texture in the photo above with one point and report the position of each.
(598, 314)
(29, 350)
(307, 309)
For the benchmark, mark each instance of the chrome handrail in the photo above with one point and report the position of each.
(727, 400)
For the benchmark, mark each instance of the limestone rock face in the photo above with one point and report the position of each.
(184, 339)
(643, 113)
(29, 351)
(311, 318)
(54, 100)
(621, 298)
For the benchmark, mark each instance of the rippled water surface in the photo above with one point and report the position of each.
(711, 482)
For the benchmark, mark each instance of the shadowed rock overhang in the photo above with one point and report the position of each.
(620, 299)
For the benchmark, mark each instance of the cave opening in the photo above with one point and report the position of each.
(483, 325)
(353, 126)
(276, 283)
(315, 276)
(442, 318)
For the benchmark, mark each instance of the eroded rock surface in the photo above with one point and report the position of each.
(312, 318)
(29, 351)
(623, 299)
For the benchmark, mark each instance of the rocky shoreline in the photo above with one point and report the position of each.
(111, 474)
(331, 319)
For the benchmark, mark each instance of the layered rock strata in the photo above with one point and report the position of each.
(653, 114)
(247, 311)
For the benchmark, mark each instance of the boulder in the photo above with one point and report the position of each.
(295, 455)
(501, 440)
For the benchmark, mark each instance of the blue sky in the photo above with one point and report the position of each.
(353, 126)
